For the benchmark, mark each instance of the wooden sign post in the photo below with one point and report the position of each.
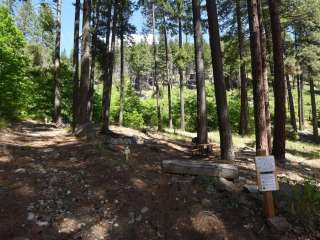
(267, 181)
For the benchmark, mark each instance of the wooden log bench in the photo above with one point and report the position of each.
(201, 168)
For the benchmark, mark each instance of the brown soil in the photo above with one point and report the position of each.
(54, 186)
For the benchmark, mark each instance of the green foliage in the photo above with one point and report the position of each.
(13, 67)
(305, 202)
(3, 123)
(133, 119)
(140, 59)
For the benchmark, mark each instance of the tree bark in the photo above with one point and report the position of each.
(155, 68)
(300, 101)
(85, 64)
(182, 114)
(258, 83)
(313, 109)
(265, 74)
(121, 80)
(291, 105)
(109, 73)
(279, 140)
(95, 24)
(105, 123)
(168, 77)
(244, 115)
(56, 76)
(202, 131)
(226, 145)
(75, 66)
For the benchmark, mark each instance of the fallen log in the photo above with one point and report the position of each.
(202, 168)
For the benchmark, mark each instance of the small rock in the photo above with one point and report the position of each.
(47, 150)
(20, 170)
(31, 216)
(206, 202)
(250, 188)
(42, 223)
(279, 224)
(248, 226)
(116, 225)
(139, 218)
(144, 210)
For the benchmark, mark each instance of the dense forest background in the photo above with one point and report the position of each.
(28, 51)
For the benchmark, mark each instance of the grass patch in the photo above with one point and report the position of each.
(3, 123)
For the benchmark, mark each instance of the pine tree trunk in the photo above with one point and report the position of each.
(279, 140)
(168, 77)
(226, 145)
(244, 115)
(257, 73)
(121, 80)
(109, 74)
(155, 69)
(75, 66)
(95, 24)
(56, 78)
(85, 64)
(202, 131)
(265, 74)
(105, 127)
(182, 114)
(300, 101)
(314, 109)
(291, 105)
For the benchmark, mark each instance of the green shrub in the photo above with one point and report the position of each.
(305, 202)
(133, 119)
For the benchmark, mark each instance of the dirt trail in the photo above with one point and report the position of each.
(54, 186)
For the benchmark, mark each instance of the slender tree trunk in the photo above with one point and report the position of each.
(244, 115)
(182, 115)
(155, 68)
(109, 73)
(202, 129)
(95, 24)
(85, 64)
(105, 126)
(265, 74)
(299, 87)
(168, 77)
(226, 145)
(257, 73)
(313, 108)
(75, 66)
(268, 42)
(121, 80)
(300, 101)
(291, 105)
(279, 140)
(56, 77)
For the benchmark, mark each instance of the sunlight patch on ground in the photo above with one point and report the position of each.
(98, 231)
(69, 225)
(206, 222)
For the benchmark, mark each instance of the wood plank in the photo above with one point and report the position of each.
(201, 168)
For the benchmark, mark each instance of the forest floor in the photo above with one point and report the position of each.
(56, 186)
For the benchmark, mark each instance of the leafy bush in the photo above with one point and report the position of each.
(13, 65)
(133, 119)
(305, 202)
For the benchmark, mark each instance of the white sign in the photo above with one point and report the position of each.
(265, 164)
(268, 182)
